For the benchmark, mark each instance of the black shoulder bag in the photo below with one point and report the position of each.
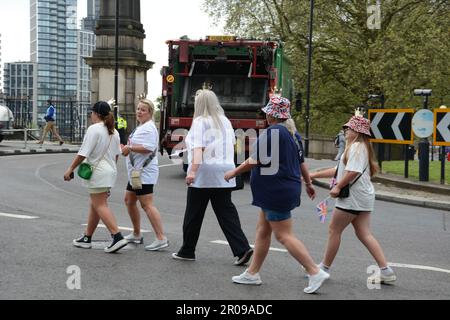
(345, 191)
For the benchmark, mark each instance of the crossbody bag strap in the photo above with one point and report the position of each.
(359, 176)
(104, 153)
(147, 161)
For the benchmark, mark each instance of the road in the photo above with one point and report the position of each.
(36, 253)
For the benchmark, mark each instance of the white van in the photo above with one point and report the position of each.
(6, 121)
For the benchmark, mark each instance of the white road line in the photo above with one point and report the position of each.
(226, 243)
(17, 216)
(412, 266)
(169, 165)
(392, 264)
(121, 228)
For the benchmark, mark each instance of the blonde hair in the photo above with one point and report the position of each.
(150, 106)
(363, 139)
(207, 105)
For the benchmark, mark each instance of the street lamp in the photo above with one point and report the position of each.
(308, 85)
(424, 144)
(380, 98)
(116, 71)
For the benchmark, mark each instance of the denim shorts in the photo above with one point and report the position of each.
(272, 215)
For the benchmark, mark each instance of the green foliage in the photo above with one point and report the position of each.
(410, 50)
(398, 167)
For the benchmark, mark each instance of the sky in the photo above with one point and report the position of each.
(162, 20)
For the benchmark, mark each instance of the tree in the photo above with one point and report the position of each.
(409, 50)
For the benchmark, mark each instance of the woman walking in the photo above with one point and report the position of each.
(356, 166)
(210, 145)
(142, 167)
(101, 149)
(276, 188)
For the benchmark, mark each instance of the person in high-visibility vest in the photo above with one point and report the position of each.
(122, 128)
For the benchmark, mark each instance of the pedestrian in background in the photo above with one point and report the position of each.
(101, 149)
(141, 156)
(122, 129)
(277, 193)
(339, 142)
(355, 168)
(50, 118)
(210, 144)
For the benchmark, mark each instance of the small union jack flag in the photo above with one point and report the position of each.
(322, 209)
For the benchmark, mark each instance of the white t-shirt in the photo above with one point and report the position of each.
(95, 143)
(146, 135)
(362, 193)
(218, 153)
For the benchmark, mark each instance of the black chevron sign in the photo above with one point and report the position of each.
(441, 135)
(391, 125)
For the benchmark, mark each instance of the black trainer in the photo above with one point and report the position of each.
(240, 261)
(118, 243)
(83, 242)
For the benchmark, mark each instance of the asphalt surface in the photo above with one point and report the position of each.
(35, 261)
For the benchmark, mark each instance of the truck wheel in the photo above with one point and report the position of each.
(185, 167)
(1, 138)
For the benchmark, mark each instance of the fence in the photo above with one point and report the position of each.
(71, 117)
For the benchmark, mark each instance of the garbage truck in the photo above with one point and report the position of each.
(6, 121)
(243, 73)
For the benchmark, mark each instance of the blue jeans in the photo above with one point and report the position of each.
(272, 215)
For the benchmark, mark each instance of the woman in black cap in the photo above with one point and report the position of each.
(101, 149)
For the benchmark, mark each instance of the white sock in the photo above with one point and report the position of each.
(324, 267)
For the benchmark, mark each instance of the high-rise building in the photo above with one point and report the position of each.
(19, 78)
(53, 46)
(1, 64)
(86, 46)
(93, 12)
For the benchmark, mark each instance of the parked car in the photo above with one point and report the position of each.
(6, 121)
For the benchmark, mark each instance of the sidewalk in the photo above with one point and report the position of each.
(393, 188)
(8, 148)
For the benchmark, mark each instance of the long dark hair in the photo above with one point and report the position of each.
(109, 122)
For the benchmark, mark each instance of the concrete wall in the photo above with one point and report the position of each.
(321, 147)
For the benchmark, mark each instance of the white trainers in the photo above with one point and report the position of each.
(247, 278)
(320, 265)
(384, 276)
(158, 245)
(132, 238)
(316, 281)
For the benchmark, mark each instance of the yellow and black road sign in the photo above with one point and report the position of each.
(441, 134)
(391, 125)
(170, 78)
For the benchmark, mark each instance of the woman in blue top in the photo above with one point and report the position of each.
(277, 169)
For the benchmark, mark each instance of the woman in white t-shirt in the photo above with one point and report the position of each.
(356, 167)
(100, 148)
(210, 144)
(141, 152)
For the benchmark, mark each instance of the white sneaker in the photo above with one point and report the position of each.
(385, 276)
(132, 238)
(158, 245)
(316, 281)
(247, 278)
(320, 265)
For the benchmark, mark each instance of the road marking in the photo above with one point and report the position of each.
(412, 266)
(226, 243)
(169, 165)
(392, 264)
(121, 228)
(17, 216)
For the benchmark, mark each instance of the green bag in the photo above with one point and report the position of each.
(85, 171)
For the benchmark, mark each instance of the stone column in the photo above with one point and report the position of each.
(133, 64)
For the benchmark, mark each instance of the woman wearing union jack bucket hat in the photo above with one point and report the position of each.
(277, 169)
(354, 171)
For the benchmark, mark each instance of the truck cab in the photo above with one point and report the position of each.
(6, 121)
(243, 73)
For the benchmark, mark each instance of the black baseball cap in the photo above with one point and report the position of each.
(102, 108)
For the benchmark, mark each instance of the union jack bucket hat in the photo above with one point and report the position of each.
(278, 107)
(359, 124)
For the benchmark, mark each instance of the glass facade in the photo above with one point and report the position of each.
(18, 88)
(93, 12)
(86, 41)
(54, 48)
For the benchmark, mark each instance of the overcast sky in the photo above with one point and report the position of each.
(162, 20)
